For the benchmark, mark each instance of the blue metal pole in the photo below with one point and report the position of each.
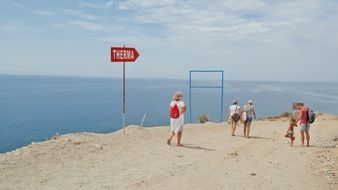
(222, 96)
(190, 96)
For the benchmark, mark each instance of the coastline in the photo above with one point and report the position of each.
(211, 158)
(35, 109)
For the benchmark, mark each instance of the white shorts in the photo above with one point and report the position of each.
(176, 125)
(305, 127)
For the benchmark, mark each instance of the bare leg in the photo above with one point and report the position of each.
(292, 139)
(244, 130)
(179, 137)
(248, 130)
(170, 137)
(233, 127)
(302, 137)
(307, 138)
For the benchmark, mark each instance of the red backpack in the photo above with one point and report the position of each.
(175, 112)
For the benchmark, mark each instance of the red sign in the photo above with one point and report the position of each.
(123, 54)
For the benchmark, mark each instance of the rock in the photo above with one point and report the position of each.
(77, 142)
(16, 153)
(234, 154)
(98, 146)
(56, 136)
(253, 174)
(203, 119)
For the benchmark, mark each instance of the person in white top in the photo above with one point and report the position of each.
(250, 114)
(176, 124)
(234, 108)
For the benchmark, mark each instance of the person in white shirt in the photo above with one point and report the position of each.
(234, 108)
(176, 124)
(250, 115)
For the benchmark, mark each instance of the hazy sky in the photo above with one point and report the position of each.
(248, 39)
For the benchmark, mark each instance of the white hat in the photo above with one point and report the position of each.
(250, 101)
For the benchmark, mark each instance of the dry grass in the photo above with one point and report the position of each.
(284, 115)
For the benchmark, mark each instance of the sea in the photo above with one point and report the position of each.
(34, 108)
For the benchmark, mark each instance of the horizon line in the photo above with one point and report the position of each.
(187, 79)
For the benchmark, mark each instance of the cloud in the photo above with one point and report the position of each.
(69, 12)
(254, 20)
(193, 16)
(81, 15)
(19, 5)
(17, 27)
(45, 12)
(248, 21)
(11, 27)
(98, 5)
(91, 26)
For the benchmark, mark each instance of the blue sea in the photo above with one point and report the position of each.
(34, 108)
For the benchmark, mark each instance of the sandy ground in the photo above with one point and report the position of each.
(210, 159)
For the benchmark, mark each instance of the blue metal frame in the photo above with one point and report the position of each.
(206, 86)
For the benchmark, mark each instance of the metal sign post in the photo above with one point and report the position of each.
(123, 54)
(124, 97)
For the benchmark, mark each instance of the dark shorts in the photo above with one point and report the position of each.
(248, 119)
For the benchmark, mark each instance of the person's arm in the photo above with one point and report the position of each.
(184, 109)
(299, 117)
(170, 109)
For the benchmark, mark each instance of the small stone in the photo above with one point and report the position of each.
(16, 153)
(253, 174)
(203, 119)
(98, 146)
(77, 142)
(56, 136)
(234, 154)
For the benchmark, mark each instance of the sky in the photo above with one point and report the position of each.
(255, 40)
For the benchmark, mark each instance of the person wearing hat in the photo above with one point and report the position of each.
(176, 123)
(234, 109)
(250, 114)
